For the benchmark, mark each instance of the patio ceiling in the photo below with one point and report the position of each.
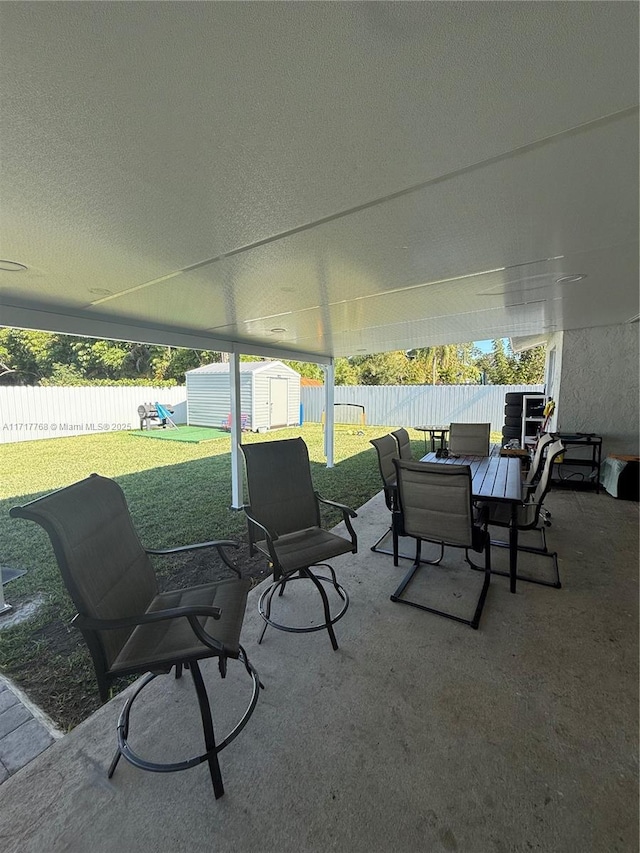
(319, 179)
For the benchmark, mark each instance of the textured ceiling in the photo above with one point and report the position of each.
(319, 178)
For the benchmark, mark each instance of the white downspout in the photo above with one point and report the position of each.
(237, 496)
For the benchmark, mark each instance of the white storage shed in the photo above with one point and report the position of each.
(269, 395)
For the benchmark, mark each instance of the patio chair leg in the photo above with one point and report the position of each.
(375, 547)
(262, 633)
(325, 604)
(394, 552)
(207, 726)
(282, 587)
(178, 670)
(474, 621)
(266, 600)
(396, 548)
(334, 579)
(114, 764)
(267, 611)
(487, 580)
(555, 584)
(116, 758)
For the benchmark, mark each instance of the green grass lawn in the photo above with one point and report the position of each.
(178, 493)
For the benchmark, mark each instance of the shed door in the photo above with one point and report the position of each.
(278, 402)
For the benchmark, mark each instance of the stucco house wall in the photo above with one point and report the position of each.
(599, 385)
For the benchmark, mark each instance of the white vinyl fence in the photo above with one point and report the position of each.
(28, 413)
(415, 405)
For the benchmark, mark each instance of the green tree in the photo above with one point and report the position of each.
(531, 366)
(385, 368)
(55, 359)
(344, 372)
(306, 368)
(504, 367)
(174, 362)
(448, 364)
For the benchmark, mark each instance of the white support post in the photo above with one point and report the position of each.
(237, 497)
(329, 378)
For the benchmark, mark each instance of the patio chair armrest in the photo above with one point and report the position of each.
(220, 544)
(191, 612)
(270, 536)
(215, 543)
(345, 510)
(347, 515)
(92, 624)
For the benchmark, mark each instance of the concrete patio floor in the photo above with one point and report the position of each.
(419, 734)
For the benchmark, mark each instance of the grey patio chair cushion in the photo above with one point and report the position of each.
(436, 502)
(281, 491)
(160, 644)
(102, 561)
(387, 450)
(404, 443)
(306, 547)
(469, 439)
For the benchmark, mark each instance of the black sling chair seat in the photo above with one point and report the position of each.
(129, 626)
(283, 517)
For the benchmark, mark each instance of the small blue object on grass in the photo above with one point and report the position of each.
(164, 415)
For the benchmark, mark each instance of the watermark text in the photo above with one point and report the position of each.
(63, 426)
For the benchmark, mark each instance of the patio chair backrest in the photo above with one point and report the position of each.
(103, 564)
(279, 484)
(469, 439)
(404, 443)
(544, 483)
(434, 501)
(538, 457)
(387, 449)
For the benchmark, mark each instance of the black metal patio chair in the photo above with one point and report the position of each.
(435, 505)
(404, 443)
(386, 448)
(537, 463)
(529, 516)
(535, 470)
(129, 626)
(283, 517)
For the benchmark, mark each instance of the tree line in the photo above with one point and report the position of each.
(42, 358)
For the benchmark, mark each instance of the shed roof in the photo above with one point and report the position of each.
(245, 367)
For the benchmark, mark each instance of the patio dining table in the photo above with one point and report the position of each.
(494, 478)
(440, 432)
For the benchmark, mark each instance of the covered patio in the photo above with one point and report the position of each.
(418, 734)
(319, 180)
